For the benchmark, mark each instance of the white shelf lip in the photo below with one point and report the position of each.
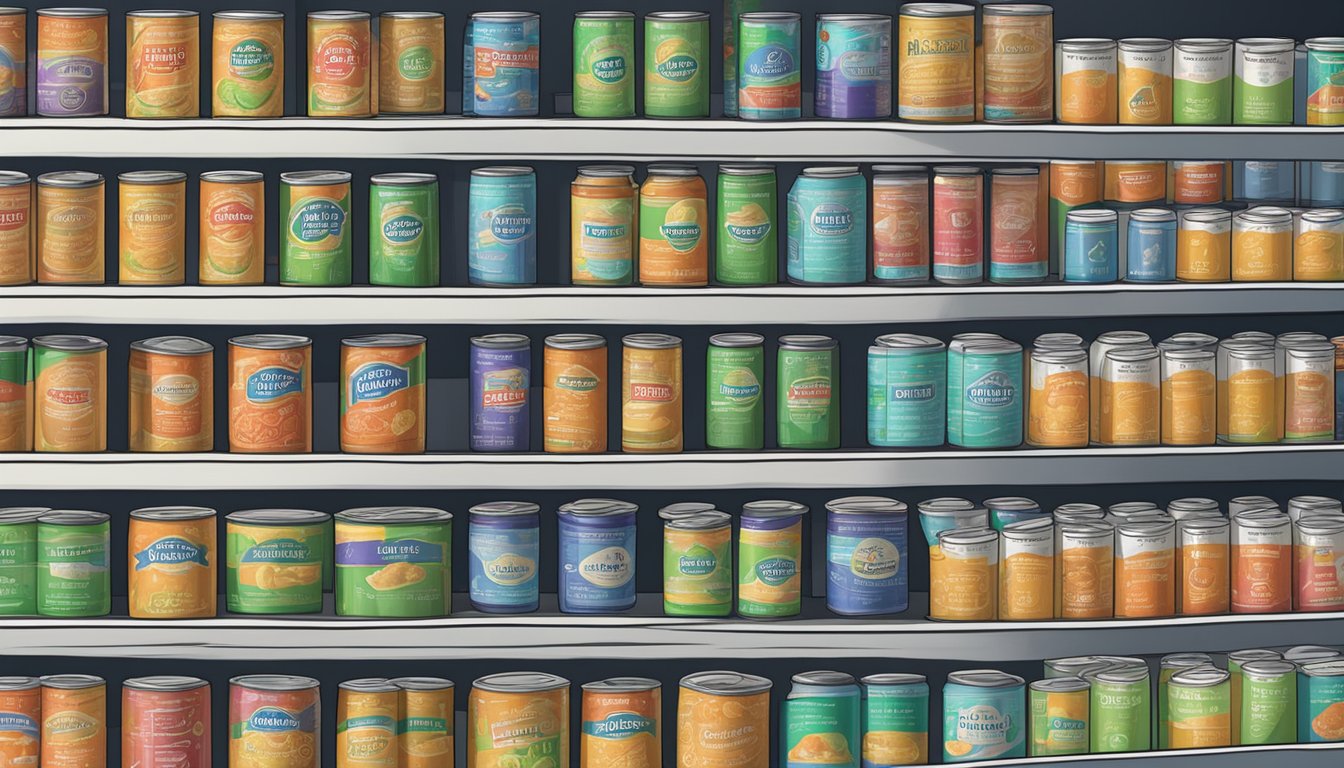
(697, 470)
(641, 139)
(782, 304)
(1301, 755)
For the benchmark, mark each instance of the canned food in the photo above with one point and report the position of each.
(74, 721)
(1103, 344)
(366, 723)
(853, 65)
(769, 80)
(1085, 570)
(673, 224)
(964, 575)
(651, 391)
(1247, 410)
(734, 402)
(165, 720)
(500, 384)
(270, 394)
(1058, 406)
(895, 720)
(697, 564)
(1016, 224)
(1167, 668)
(1059, 716)
(1325, 96)
(233, 227)
(1145, 70)
(425, 727)
(1189, 397)
(769, 559)
(1235, 659)
(621, 721)
(1318, 246)
(69, 394)
(574, 394)
(1320, 702)
(21, 699)
(1133, 182)
(73, 564)
(676, 64)
(1073, 184)
(172, 401)
(502, 249)
(1091, 246)
(340, 63)
(1262, 90)
(1338, 341)
(18, 563)
(603, 199)
(404, 229)
(72, 62)
(315, 211)
(171, 567)
(1085, 81)
(393, 561)
(808, 413)
(1319, 551)
(1200, 708)
(1018, 79)
(276, 560)
(900, 223)
(14, 64)
(1309, 393)
(597, 556)
(867, 556)
(1262, 562)
(958, 223)
(1201, 88)
(1300, 507)
(828, 227)
(723, 719)
(1268, 703)
(410, 63)
(504, 550)
(604, 47)
(820, 720)
(70, 244)
(274, 720)
(1145, 569)
(907, 395)
(383, 393)
(935, 62)
(163, 64)
(1203, 546)
(988, 394)
(1027, 570)
(248, 55)
(747, 235)
(1120, 710)
(17, 256)
(984, 716)
(519, 718)
(153, 227)
(948, 513)
(1151, 246)
(1262, 244)
(506, 48)
(1265, 181)
(1197, 182)
(1204, 246)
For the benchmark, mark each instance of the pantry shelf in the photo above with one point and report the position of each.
(214, 305)
(559, 138)
(700, 470)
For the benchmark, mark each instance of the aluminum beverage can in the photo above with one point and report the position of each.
(867, 556)
(1262, 87)
(907, 391)
(502, 226)
(1017, 230)
(233, 228)
(163, 64)
(1145, 70)
(895, 720)
(574, 397)
(72, 66)
(604, 72)
(989, 396)
(70, 240)
(152, 228)
(900, 223)
(935, 62)
(1151, 246)
(1060, 716)
(673, 227)
(1057, 409)
(504, 552)
(1201, 86)
(1018, 63)
(340, 64)
(248, 72)
(734, 397)
(501, 395)
(1085, 81)
(14, 62)
(404, 229)
(676, 64)
(853, 65)
(597, 556)
(821, 721)
(410, 63)
(1120, 710)
(747, 212)
(17, 255)
(984, 716)
(958, 224)
(315, 211)
(1325, 92)
(1268, 703)
(1200, 708)
(828, 227)
(506, 52)
(769, 559)
(808, 394)
(698, 564)
(946, 513)
(603, 200)
(769, 77)
(651, 393)
(1318, 246)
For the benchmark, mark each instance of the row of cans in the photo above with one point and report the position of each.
(1010, 560)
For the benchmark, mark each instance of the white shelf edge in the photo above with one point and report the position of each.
(1251, 756)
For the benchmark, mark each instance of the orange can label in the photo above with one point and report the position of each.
(1204, 252)
(1262, 570)
(249, 67)
(163, 65)
(21, 728)
(1309, 398)
(1136, 182)
(338, 68)
(1018, 82)
(172, 402)
(935, 68)
(1260, 254)
(1197, 183)
(410, 74)
(574, 400)
(1087, 87)
(71, 409)
(153, 233)
(1204, 584)
(366, 729)
(673, 232)
(16, 234)
(233, 233)
(74, 727)
(70, 246)
(1076, 184)
(722, 731)
(1027, 577)
(901, 228)
(426, 730)
(1130, 405)
(383, 399)
(1145, 575)
(270, 400)
(651, 401)
(171, 568)
(1086, 587)
(1189, 402)
(621, 729)
(964, 581)
(1058, 409)
(1318, 254)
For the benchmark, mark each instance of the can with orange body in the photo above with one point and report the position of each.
(74, 721)
(70, 244)
(163, 64)
(673, 227)
(1203, 547)
(651, 388)
(171, 563)
(574, 395)
(275, 721)
(233, 228)
(69, 394)
(1318, 245)
(1144, 68)
(1318, 584)
(964, 575)
(1145, 569)
(410, 63)
(17, 257)
(1247, 392)
(1085, 81)
(603, 201)
(1018, 63)
(723, 721)
(165, 720)
(900, 223)
(153, 227)
(1057, 412)
(518, 718)
(270, 394)
(1135, 182)
(622, 723)
(21, 728)
(1130, 412)
(383, 381)
(1204, 246)
(248, 72)
(425, 727)
(172, 395)
(1196, 182)
(935, 63)
(13, 62)
(366, 724)
(1189, 396)
(1085, 570)
(1262, 562)
(1262, 244)
(339, 72)
(1027, 570)
(1309, 393)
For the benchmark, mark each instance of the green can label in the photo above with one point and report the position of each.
(1262, 91)
(747, 233)
(404, 234)
(72, 570)
(1201, 87)
(735, 411)
(604, 49)
(808, 399)
(895, 725)
(697, 572)
(1121, 716)
(769, 580)
(1268, 709)
(316, 245)
(821, 730)
(18, 569)
(1199, 716)
(274, 568)
(393, 570)
(676, 68)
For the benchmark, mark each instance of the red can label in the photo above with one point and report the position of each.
(958, 228)
(165, 729)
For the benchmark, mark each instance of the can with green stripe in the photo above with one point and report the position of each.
(276, 560)
(1268, 703)
(73, 559)
(735, 396)
(676, 64)
(315, 214)
(394, 562)
(747, 246)
(895, 720)
(404, 229)
(1262, 86)
(604, 73)
(1120, 710)
(18, 560)
(16, 396)
(808, 397)
(1170, 665)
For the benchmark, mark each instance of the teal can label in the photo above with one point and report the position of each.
(747, 242)
(822, 728)
(989, 408)
(808, 397)
(1320, 702)
(828, 227)
(502, 229)
(18, 567)
(895, 724)
(907, 391)
(604, 78)
(1262, 90)
(735, 402)
(769, 80)
(404, 230)
(1325, 81)
(1201, 86)
(983, 723)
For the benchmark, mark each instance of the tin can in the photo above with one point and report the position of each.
(1262, 88)
(604, 49)
(1017, 226)
(504, 551)
(1320, 692)
(1055, 342)
(1262, 244)
(501, 382)
(597, 556)
(1006, 510)
(989, 393)
(18, 563)
(274, 720)
(502, 244)
(1203, 547)
(1145, 569)
(1084, 572)
(1201, 87)
(73, 564)
(1267, 703)
(1319, 545)
(506, 47)
(72, 62)
(233, 227)
(697, 564)
(17, 255)
(394, 562)
(1073, 184)
(723, 719)
(651, 392)
(152, 227)
(1189, 396)
(315, 209)
(248, 72)
(1018, 67)
(808, 392)
(1145, 70)
(1131, 400)
(172, 395)
(1057, 411)
(70, 244)
(956, 350)
(1325, 95)
(1120, 710)
(820, 721)
(746, 241)
(1235, 660)
(16, 398)
(673, 227)
(1249, 504)
(1338, 341)
(1104, 343)
(21, 700)
(574, 395)
(1265, 181)
(14, 62)
(165, 720)
(731, 10)
(383, 393)
(69, 394)
(276, 560)
(828, 227)
(1085, 81)
(958, 224)
(1307, 654)
(1247, 412)
(1197, 182)
(1132, 182)
(984, 716)
(425, 724)
(935, 62)
(603, 200)
(1059, 716)
(1318, 246)
(735, 405)
(74, 721)
(1091, 246)
(1167, 668)
(1151, 246)
(410, 63)
(1133, 512)
(853, 65)
(964, 575)
(1321, 185)
(676, 64)
(366, 723)
(1027, 570)
(404, 229)
(270, 394)
(1309, 393)
(769, 80)
(163, 64)
(900, 223)
(621, 721)
(948, 513)
(867, 556)
(171, 563)
(907, 391)
(340, 63)
(1301, 507)
(1204, 246)
(769, 559)
(1262, 562)
(1200, 708)
(1295, 340)
(895, 720)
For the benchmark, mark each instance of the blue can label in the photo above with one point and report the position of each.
(171, 550)
(1151, 252)
(506, 58)
(597, 568)
(866, 564)
(907, 397)
(828, 230)
(273, 383)
(503, 566)
(1091, 252)
(502, 244)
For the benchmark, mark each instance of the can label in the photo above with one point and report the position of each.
(1058, 412)
(383, 399)
(602, 242)
(735, 407)
(769, 81)
(715, 730)
(1262, 565)
(990, 402)
(503, 245)
(958, 234)
(808, 399)
(676, 68)
(651, 415)
(500, 399)
(1015, 229)
(394, 570)
(507, 62)
(697, 572)
(171, 403)
(74, 726)
(69, 401)
(153, 233)
(982, 724)
(1202, 87)
(1059, 722)
(1151, 251)
(425, 727)
(1027, 579)
(1204, 251)
(1130, 403)
(964, 581)
(821, 730)
(575, 401)
(895, 725)
(14, 65)
(1263, 89)
(16, 233)
(71, 66)
(1318, 252)
(366, 728)
(22, 724)
(316, 247)
(249, 68)
(901, 230)
(503, 566)
(73, 577)
(172, 568)
(597, 571)
(1018, 84)
(936, 68)
(1145, 87)
(410, 70)
(1325, 87)
(1196, 183)
(1320, 708)
(269, 727)
(1247, 395)
(866, 565)
(233, 233)
(748, 234)
(163, 66)
(1199, 717)
(673, 224)
(1086, 588)
(70, 244)
(907, 397)
(1120, 716)
(1268, 710)
(1204, 587)
(1262, 252)
(404, 234)
(828, 231)
(604, 79)
(769, 579)
(1319, 571)
(1072, 185)
(1188, 402)
(1087, 87)
(619, 727)
(275, 568)
(853, 68)
(338, 75)
(1145, 575)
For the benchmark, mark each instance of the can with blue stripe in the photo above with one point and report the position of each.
(989, 413)
(1091, 246)
(907, 391)
(1150, 252)
(502, 228)
(853, 65)
(828, 227)
(506, 62)
(867, 549)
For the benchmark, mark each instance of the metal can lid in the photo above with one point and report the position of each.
(20, 515)
(10, 11)
(1206, 215)
(911, 341)
(1321, 525)
(69, 342)
(164, 683)
(1146, 527)
(823, 677)
(501, 341)
(623, 685)
(1028, 529)
(736, 340)
(1058, 340)
(957, 170)
(1202, 676)
(1059, 356)
(393, 516)
(937, 9)
(72, 179)
(1144, 44)
(867, 505)
(173, 345)
(853, 17)
(1262, 518)
(1307, 653)
(1323, 215)
(1122, 675)
(1325, 43)
(597, 508)
(608, 170)
(411, 15)
(967, 536)
(651, 341)
(713, 520)
(685, 509)
(1131, 338)
(422, 683)
(315, 178)
(723, 683)
(504, 509)
(503, 171)
(576, 341)
(1085, 45)
(831, 171)
(1292, 336)
(1333, 668)
(72, 13)
(14, 178)
(274, 682)
(1264, 214)
(1091, 529)
(769, 509)
(1061, 685)
(71, 682)
(985, 678)
(1092, 216)
(338, 15)
(894, 678)
(1204, 525)
(233, 177)
(604, 15)
(1152, 215)
(1203, 44)
(172, 514)
(403, 179)
(1253, 654)
(1307, 501)
(1267, 44)
(807, 341)
(278, 517)
(945, 505)
(769, 17)
(1080, 508)
(672, 169)
(72, 517)
(677, 16)
(1017, 9)
(992, 347)
(746, 169)
(18, 683)
(249, 15)
(384, 340)
(369, 685)
(152, 178)
(271, 341)
(520, 682)
(1185, 660)
(1012, 503)
(504, 16)
(1132, 354)
(1268, 668)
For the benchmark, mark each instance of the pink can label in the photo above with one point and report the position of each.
(958, 228)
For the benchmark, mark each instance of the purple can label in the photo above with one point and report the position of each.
(854, 67)
(500, 407)
(71, 85)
